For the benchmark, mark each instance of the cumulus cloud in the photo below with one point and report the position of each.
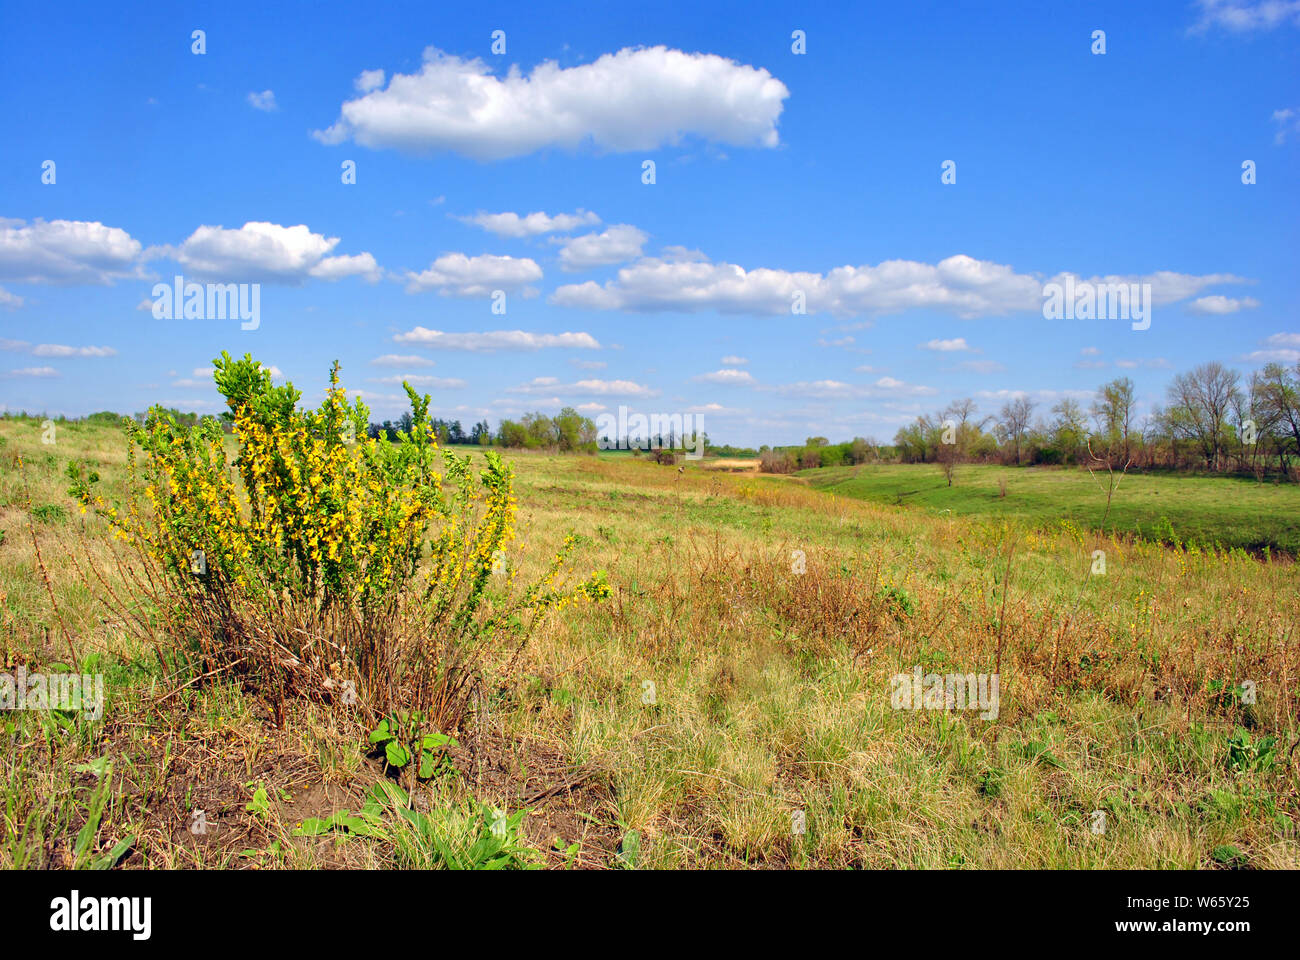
(1280, 348)
(530, 225)
(401, 360)
(729, 375)
(264, 101)
(491, 340)
(618, 244)
(1245, 16)
(268, 253)
(455, 274)
(63, 350)
(422, 380)
(369, 80)
(959, 284)
(635, 99)
(66, 252)
(945, 346)
(553, 387)
(1218, 304)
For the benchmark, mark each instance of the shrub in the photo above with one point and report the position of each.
(324, 566)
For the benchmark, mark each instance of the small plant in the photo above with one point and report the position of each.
(51, 513)
(1245, 754)
(430, 749)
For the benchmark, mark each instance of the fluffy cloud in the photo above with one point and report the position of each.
(264, 101)
(269, 253)
(1281, 348)
(422, 380)
(1287, 122)
(960, 285)
(532, 224)
(618, 244)
(487, 341)
(945, 346)
(455, 274)
(552, 387)
(1244, 16)
(401, 360)
(730, 375)
(63, 350)
(635, 99)
(1218, 305)
(66, 252)
(56, 349)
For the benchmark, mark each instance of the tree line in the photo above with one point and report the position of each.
(1212, 419)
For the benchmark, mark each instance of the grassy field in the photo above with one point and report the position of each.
(1230, 511)
(730, 706)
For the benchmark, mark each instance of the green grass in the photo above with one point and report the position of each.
(1228, 511)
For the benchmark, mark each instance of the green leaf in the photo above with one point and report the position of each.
(397, 755)
(380, 734)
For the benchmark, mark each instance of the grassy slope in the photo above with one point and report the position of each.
(771, 693)
(1231, 511)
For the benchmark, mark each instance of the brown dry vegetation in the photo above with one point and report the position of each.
(718, 692)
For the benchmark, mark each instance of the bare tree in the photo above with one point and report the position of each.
(1198, 407)
(1015, 420)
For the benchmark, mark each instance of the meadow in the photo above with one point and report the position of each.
(729, 705)
(1228, 511)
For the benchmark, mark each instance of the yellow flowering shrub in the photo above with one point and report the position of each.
(327, 559)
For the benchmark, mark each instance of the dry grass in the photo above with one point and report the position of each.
(720, 692)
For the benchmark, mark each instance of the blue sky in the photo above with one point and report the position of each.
(775, 172)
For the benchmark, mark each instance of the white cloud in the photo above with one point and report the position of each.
(982, 366)
(455, 274)
(63, 350)
(264, 101)
(422, 380)
(1244, 16)
(1090, 351)
(959, 284)
(13, 344)
(532, 224)
(496, 340)
(733, 361)
(33, 372)
(588, 364)
(1288, 123)
(66, 252)
(268, 252)
(401, 360)
(731, 376)
(945, 346)
(369, 80)
(1282, 348)
(552, 387)
(635, 99)
(1218, 304)
(10, 300)
(618, 244)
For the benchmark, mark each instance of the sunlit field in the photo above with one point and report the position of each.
(729, 704)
